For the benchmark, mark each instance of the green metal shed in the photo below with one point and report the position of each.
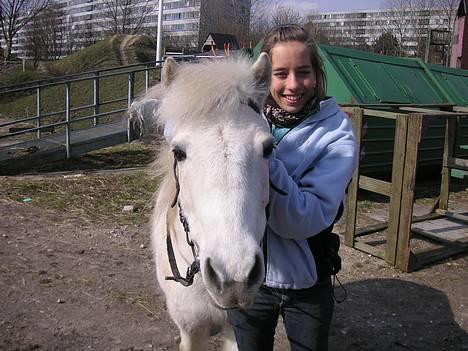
(454, 81)
(361, 78)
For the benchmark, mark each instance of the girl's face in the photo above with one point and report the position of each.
(293, 81)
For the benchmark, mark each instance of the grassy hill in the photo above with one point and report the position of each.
(106, 53)
(112, 52)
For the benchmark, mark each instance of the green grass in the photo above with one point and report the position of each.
(94, 198)
(17, 76)
(104, 54)
(135, 154)
(53, 98)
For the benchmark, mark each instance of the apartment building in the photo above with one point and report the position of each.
(186, 23)
(361, 28)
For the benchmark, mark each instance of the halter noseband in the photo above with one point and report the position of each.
(194, 268)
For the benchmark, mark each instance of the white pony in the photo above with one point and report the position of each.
(210, 206)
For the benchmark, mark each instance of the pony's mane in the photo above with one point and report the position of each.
(198, 91)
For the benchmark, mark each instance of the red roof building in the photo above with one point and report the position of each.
(459, 58)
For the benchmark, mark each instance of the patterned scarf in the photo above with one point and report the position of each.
(282, 118)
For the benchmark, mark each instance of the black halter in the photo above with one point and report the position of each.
(194, 268)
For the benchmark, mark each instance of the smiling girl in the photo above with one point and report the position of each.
(310, 169)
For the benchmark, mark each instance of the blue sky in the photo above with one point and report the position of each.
(306, 6)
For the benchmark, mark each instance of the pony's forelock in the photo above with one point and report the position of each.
(200, 91)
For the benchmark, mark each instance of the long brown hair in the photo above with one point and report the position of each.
(294, 32)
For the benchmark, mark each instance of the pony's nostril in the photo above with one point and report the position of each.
(212, 277)
(255, 276)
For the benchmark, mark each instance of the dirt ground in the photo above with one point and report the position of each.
(69, 284)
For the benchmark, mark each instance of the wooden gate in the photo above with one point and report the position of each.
(400, 190)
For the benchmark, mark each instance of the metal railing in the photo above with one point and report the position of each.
(37, 88)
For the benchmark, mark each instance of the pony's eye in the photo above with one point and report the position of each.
(179, 154)
(268, 149)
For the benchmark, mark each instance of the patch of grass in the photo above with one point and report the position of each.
(81, 94)
(104, 54)
(17, 76)
(129, 155)
(96, 198)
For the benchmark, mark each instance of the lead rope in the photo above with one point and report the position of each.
(345, 293)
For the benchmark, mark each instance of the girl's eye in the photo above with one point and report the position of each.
(280, 75)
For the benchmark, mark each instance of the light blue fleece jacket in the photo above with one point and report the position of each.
(312, 166)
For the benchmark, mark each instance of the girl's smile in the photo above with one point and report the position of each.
(293, 79)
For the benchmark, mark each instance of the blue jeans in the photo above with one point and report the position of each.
(306, 313)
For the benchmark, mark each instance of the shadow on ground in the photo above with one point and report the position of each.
(392, 314)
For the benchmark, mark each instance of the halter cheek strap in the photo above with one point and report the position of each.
(194, 268)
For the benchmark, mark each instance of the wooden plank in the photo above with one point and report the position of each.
(348, 109)
(372, 250)
(460, 109)
(351, 199)
(453, 215)
(431, 256)
(458, 163)
(449, 145)
(375, 185)
(429, 112)
(399, 151)
(409, 176)
(438, 238)
(381, 226)
(383, 114)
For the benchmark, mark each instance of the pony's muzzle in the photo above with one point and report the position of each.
(234, 289)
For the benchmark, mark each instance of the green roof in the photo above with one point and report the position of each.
(359, 77)
(366, 78)
(454, 81)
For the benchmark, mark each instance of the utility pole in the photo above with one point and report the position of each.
(160, 30)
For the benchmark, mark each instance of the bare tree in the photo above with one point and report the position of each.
(225, 17)
(285, 15)
(449, 11)
(125, 16)
(398, 20)
(14, 15)
(260, 19)
(411, 20)
(43, 36)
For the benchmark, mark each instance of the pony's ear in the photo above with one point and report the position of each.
(169, 71)
(262, 75)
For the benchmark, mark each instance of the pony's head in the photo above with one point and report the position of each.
(221, 145)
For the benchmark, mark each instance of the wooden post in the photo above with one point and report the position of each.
(449, 145)
(351, 200)
(405, 258)
(399, 151)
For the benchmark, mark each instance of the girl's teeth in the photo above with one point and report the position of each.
(292, 98)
